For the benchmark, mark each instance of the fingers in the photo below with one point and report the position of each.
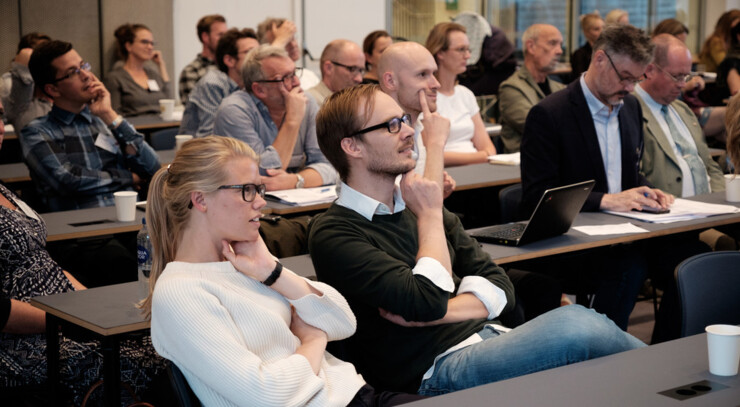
(423, 103)
(227, 251)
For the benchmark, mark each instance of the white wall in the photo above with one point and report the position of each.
(325, 20)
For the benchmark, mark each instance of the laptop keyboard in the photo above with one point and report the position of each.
(510, 232)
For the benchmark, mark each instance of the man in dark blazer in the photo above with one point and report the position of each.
(593, 130)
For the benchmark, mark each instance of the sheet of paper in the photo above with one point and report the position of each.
(505, 159)
(305, 196)
(616, 229)
(682, 209)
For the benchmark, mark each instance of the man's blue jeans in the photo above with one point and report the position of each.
(562, 336)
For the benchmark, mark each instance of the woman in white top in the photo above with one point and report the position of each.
(468, 142)
(243, 329)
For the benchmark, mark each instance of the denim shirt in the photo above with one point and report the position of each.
(200, 111)
(244, 117)
(76, 161)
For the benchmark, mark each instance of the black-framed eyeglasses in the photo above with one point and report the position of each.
(353, 70)
(148, 42)
(249, 191)
(85, 66)
(393, 125)
(623, 80)
(675, 78)
(287, 79)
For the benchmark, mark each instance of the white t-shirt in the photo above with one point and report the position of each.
(459, 109)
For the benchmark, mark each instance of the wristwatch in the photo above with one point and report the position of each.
(300, 182)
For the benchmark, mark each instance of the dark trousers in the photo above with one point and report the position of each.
(368, 397)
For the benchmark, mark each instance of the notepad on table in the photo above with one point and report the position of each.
(304, 196)
(505, 159)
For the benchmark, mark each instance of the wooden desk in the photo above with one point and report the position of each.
(474, 176)
(633, 378)
(59, 225)
(575, 241)
(10, 134)
(18, 172)
(149, 122)
(109, 313)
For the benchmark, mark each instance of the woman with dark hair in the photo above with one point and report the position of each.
(728, 72)
(26, 271)
(374, 44)
(673, 27)
(715, 47)
(136, 87)
(732, 126)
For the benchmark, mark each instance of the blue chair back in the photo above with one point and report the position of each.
(709, 290)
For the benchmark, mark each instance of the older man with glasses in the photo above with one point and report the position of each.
(593, 130)
(342, 66)
(273, 115)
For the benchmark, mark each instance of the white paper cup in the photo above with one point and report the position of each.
(125, 205)
(166, 108)
(180, 139)
(732, 188)
(723, 344)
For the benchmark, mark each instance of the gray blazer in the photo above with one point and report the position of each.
(516, 96)
(659, 164)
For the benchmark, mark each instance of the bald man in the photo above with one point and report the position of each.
(543, 45)
(406, 73)
(342, 66)
(676, 157)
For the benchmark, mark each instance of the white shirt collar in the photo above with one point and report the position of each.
(366, 206)
(594, 104)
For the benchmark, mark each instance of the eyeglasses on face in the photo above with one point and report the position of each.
(85, 66)
(393, 125)
(462, 50)
(287, 80)
(249, 191)
(675, 78)
(353, 70)
(624, 81)
(148, 42)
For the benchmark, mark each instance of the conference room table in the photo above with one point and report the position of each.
(670, 374)
(151, 122)
(467, 177)
(573, 240)
(108, 314)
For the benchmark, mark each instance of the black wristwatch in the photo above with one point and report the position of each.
(274, 275)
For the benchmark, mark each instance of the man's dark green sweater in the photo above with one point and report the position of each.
(371, 264)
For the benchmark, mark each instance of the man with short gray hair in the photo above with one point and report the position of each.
(276, 119)
(342, 66)
(542, 45)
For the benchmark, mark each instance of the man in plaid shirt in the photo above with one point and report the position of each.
(210, 29)
(82, 151)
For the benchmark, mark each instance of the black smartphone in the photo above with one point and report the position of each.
(650, 209)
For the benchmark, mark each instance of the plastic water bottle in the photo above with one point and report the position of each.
(144, 256)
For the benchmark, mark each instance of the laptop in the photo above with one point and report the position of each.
(553, 216)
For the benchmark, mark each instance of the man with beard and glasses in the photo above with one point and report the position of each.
(593, 130)
(426, 296)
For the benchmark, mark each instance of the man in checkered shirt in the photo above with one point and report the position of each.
(210, 30)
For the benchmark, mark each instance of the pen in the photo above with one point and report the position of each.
(325, 190)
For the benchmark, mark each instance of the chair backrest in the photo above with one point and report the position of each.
(709, 290)
(183, 393)
(509, 199)
(163, 139)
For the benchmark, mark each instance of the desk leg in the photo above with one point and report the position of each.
(111, 348)
(52, 356)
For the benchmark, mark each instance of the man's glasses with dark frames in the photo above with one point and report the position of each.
(287, 80)
(393, 125)
(249, 191)
(85, 66)
(623, 80)
(353, 70)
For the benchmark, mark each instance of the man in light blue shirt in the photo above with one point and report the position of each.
(276, 119)
(216, 84)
